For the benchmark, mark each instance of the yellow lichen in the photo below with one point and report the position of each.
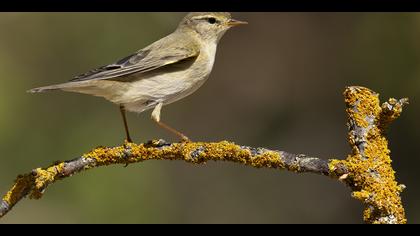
(22, 185)
(360, 110)
(332, 165)
(370, 169)
(391, 110)
(43, 177)
(194, 152)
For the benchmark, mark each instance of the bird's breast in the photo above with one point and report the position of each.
(174, 85)
(209, 52)
(199, 71)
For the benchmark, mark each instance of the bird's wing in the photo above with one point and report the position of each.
(150, 58)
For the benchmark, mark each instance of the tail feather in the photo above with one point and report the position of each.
(43, 89)
(53, 87)
(83, 87)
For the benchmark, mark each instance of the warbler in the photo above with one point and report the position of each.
(159, 74)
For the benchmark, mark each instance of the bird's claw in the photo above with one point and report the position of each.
(185, 139)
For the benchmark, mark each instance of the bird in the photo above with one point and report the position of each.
(159, 74)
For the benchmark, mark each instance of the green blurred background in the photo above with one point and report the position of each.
(277, 83)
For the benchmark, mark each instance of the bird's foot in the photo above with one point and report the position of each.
(185, 139)
(128, 140)
(157, 143)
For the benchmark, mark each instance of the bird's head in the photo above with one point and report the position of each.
(209, 25)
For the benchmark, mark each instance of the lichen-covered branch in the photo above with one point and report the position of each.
(35, 182)
(367, 170)
(370, 173)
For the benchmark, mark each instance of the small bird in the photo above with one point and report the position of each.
(159, 74)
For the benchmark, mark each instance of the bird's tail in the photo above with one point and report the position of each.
(64, 86)
(44, 89)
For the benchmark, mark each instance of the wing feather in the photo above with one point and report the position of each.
(161, 53)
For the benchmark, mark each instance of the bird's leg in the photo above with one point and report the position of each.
(122, 110)
(156, 118)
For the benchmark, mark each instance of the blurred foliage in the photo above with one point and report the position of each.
(279, 82)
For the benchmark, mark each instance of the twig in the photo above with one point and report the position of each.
(367, 170)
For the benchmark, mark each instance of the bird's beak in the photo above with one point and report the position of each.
(234, 22)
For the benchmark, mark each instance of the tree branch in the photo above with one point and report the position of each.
(35, 182)
(370, 172)
(367, 170)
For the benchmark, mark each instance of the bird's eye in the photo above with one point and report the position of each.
(211, 20)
